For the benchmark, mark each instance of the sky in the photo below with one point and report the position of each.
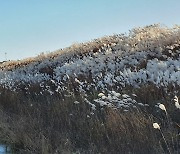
(29, 27)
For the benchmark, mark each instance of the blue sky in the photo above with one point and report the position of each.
(29, 27)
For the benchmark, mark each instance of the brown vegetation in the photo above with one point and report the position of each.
(50, 124)
(40, 118)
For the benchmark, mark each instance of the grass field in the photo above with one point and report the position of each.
(101, 96)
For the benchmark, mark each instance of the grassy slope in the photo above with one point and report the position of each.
(41, 116)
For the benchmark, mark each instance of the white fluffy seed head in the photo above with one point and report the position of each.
(103, 97)
(176, 101)
(177, 105)
(162, 107)
(100, 94)
(76, 80)
(76, 102)
(156, 126)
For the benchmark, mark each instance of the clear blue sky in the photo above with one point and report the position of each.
(28, 27)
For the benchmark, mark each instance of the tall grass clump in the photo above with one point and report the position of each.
(170, 134)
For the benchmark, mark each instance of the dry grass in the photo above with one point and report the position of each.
(39, 124)
(42, 123)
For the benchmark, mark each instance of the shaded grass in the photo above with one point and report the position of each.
(52, 124)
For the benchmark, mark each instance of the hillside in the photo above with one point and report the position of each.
(134, 53)
(146, 56)
(108, 78)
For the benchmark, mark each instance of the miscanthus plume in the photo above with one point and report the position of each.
(156, 126)
(176, 101)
